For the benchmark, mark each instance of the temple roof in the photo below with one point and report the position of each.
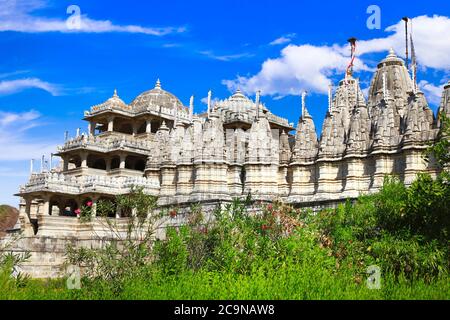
(156, 97)
(112, 103)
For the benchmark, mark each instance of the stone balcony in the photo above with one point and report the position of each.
(167, 113)
(105, 143)
(61, 183)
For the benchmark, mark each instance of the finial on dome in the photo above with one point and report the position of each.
(115, 93)
(303, 103)
(158, 84)
(209, 102)
(392, 53)
(258, 98)
(330, 98)
(349, 70)
(191, 108)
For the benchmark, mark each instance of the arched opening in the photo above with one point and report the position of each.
(54, 209)
(243, 176)
(99, 164)
(155, 126)
(142, 128)
(115, 163)
(126, 128)
(106, 207)
(75, 162)
(135, 163)
(69, 208)
(96, 162)
(129, 162)
(140, 165)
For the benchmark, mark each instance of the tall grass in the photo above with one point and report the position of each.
(282, 253)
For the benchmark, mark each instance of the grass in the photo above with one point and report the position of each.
(293, 283)
(282, 254)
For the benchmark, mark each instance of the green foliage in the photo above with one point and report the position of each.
(138, 201)
(10, 263)
(274, 251)
(125, 257)
(440, 149)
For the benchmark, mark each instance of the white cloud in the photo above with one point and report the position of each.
(13, 140)
(16, 15)
(432, 92)
(431, 41)
(13, 86)
(10, 74)
(304, 67)
(283, 39)
(212, 55)
(309, 67)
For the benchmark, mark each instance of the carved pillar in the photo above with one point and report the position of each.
(108, 164)
(94, 206)
(65, 163)
(123, 158)
(110, 124)
(46, 206)
(91, 128)
(25, 218)
(84, 156)
(148, 126)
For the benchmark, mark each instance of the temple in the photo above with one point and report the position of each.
(238, 147)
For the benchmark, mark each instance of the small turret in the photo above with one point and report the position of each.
(445, 101)
(306, 145)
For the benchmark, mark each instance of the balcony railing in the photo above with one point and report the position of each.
(61, 183)
(107, 144)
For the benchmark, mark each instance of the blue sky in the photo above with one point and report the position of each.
(50, 74)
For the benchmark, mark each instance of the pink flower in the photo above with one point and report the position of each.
(89, 203)
(77, 212)
(269, 207)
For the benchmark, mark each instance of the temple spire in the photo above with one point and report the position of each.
(176, 115)
(158, 84)
(209, 102)
(303, 104)
(385, 90)
(330, 97)
(191, 108)
(413, 62)
(349, 71)
(258, 97)
(406, 19)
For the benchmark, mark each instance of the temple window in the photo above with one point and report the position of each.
(142, 127)
(75, 161)
(115, 163)
(96, 163)
(70, 206)
(126, 128)
(155, 126)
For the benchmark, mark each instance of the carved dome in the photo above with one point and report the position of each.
(112, 103)
(156, 98)
(393, 77)
(239, 102)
